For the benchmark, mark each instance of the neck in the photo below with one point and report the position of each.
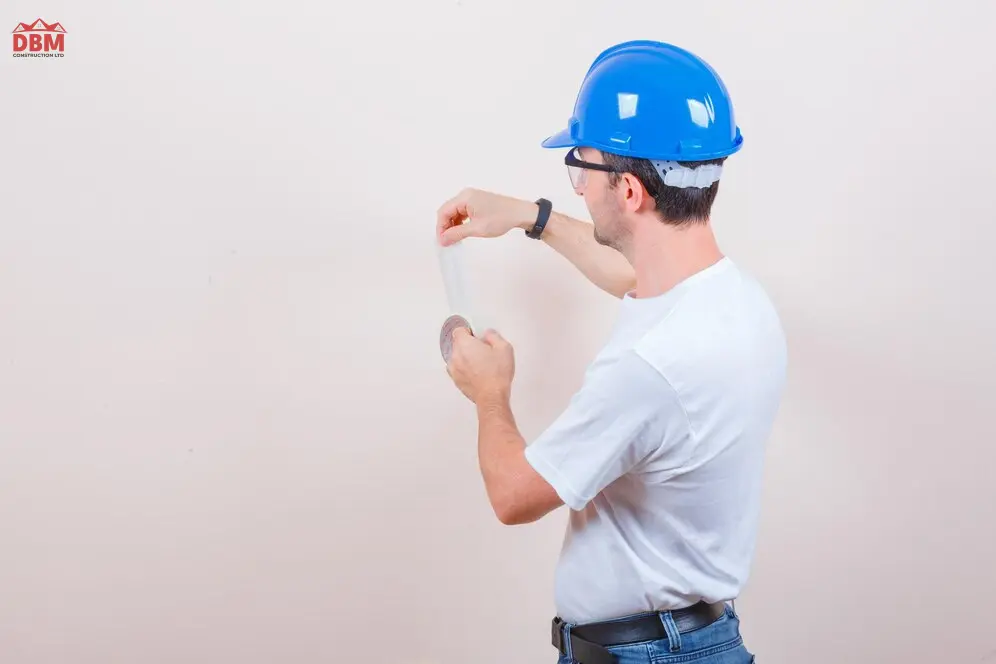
(663, 255)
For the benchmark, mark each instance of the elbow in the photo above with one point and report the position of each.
(507, 516)
(522, 501)
(524, 505)
(511, 515)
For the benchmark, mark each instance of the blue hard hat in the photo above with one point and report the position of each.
(652, 100)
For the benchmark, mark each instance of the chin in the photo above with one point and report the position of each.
(606, 228)
(604, 241)
(599, 238)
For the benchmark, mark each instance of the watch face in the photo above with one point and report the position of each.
(446, 334)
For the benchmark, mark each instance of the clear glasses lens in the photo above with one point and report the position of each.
(578, 176)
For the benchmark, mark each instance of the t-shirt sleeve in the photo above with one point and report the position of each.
(618, 418)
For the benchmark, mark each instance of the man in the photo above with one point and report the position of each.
(659, 454)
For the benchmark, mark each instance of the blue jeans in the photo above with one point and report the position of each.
(717, 643)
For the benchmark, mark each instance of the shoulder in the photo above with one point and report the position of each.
(725, 324)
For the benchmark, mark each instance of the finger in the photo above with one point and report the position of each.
(457, 233)
(494, 339)
(461, 332)
(456, 348)
(451, 213)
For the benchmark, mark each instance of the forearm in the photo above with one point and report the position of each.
(516, 492)
(603, 266)
(498, 443)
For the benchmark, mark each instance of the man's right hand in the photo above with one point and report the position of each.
(476, 213)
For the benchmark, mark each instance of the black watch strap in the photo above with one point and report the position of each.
(545, 207)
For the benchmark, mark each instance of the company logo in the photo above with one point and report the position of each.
(39, 40)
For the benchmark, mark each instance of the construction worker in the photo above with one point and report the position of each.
(659, 454)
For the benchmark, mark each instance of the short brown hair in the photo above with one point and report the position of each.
(676, 205)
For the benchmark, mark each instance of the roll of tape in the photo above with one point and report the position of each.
(452, 323)
(458, 295)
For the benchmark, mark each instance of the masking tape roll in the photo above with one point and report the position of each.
(458, 295)
(446, 334)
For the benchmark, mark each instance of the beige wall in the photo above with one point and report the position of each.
(225, 431)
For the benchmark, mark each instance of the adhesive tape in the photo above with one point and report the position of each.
(451, 264)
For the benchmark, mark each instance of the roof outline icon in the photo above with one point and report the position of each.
(39, 25)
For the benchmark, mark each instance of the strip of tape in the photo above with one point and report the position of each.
(452, 264)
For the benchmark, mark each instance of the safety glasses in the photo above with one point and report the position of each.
(577, 168)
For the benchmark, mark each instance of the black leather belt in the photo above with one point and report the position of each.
(590, 640)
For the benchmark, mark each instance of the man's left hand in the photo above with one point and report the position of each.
(482, 368)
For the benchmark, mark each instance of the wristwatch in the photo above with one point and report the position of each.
(545, 207)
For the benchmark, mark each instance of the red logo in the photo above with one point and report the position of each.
(39, 40)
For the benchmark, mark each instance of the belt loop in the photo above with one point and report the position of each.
(567, 641)
(733, 607)
(673, 637)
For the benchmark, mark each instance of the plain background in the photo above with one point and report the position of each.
(226, 434)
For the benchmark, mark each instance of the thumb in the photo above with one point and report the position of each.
(456, 233)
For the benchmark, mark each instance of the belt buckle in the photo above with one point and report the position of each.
(557, 634)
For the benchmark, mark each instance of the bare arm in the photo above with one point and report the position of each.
(603, 266)
(483, 368)
(477, 213)
(518, 494)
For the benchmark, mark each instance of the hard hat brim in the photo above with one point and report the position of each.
(562, 139)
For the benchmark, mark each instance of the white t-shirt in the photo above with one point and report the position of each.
(659, 454)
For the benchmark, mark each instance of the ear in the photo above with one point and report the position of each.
(634, 194)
